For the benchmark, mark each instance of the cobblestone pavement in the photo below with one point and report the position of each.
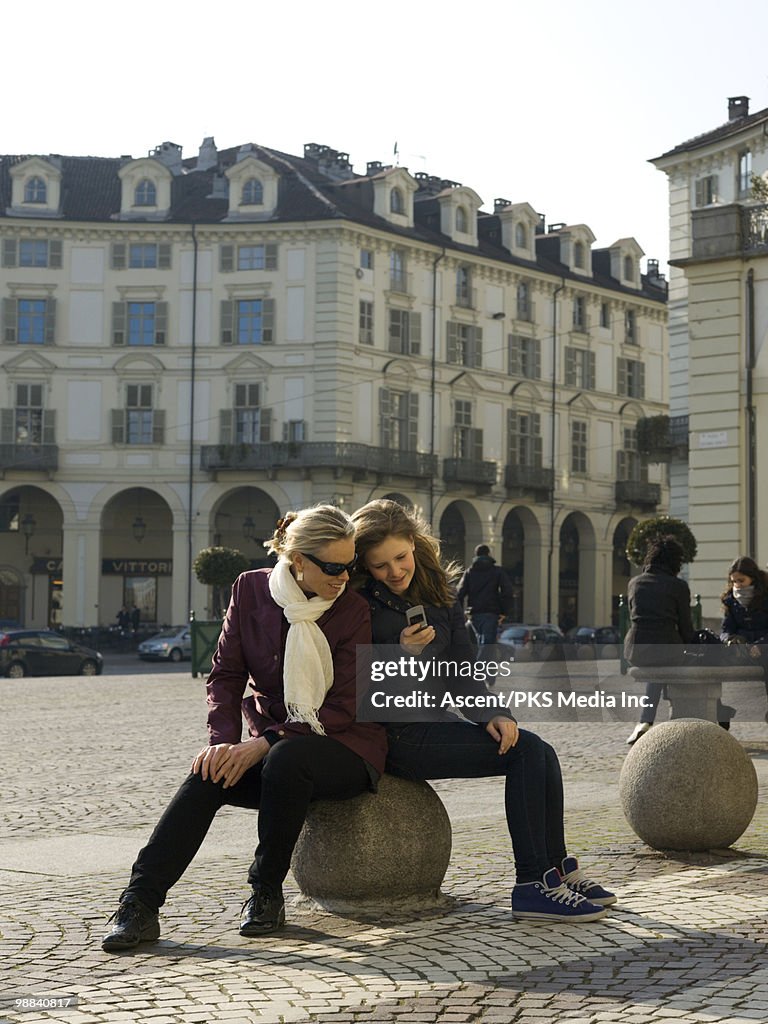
(90, 763)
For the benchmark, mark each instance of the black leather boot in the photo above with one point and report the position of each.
(133, 923)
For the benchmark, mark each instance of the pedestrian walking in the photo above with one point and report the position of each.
(488, 593)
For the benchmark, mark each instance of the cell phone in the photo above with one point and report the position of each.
(416, 616)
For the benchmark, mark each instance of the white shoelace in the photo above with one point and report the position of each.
(562, 894)
(578, 879)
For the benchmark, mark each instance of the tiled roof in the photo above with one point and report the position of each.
(723, 132)
(91, 192)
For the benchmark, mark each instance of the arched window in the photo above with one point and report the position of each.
(461, 220)
(629, 269)
(578, 255)
(521, 236)
(145, 194)
(396, 204)
(253, 193)
(35, 191)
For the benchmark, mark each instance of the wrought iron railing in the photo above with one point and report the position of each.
(29, 456)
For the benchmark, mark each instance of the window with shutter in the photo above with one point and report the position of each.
(414, 333)
(118, 426)
(9, 252)
(118, 256)
(365, 333)
(119, 316)
(268, 321)
(453, 342)
(54, 254)
(227, 313)
(158, 426)
(161, 322)
(225, 426)
(10, 320)
(164, 256)
(589, 376)
(49, 426)
(570, 367)
(385, 414)
(226, 258)
(477, 347)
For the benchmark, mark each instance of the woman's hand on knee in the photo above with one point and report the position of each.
(209, 760)
(505, 731)
(239, 759)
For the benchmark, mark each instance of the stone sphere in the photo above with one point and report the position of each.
(375, 851)
(687, 784)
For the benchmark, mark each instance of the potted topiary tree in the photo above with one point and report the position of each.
(219, 568)
(660, 526)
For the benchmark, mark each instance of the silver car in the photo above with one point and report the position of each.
(171, 644)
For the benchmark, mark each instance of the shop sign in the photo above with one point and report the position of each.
(136, 566)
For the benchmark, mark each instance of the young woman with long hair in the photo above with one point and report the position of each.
(399, 566)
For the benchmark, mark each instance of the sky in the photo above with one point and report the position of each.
(550, 102)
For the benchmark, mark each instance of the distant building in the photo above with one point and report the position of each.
(192, 346)
(718, 326)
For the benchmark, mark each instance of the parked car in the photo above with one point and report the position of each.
(532, 642)
(171, 644)
(41, 652)
(595, 641)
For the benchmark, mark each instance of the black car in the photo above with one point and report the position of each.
(41, 652)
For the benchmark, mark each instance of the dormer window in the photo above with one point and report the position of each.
(35, 190)
(461, 220)
(578, 255)
(253, 193)
(629, 269)
(145, 194)
(521, 236)
(396, 201)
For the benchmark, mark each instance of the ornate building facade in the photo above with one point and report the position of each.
(192, 346)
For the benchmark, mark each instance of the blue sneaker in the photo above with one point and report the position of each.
(577, 880)
(552, 900)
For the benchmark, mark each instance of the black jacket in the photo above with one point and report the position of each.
(486, 587)
(750, 622)
(451, 643)
(660, 618)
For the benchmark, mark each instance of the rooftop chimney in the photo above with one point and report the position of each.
(738, 106)
(168, 153)
(207, 156)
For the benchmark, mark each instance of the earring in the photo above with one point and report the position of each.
(299, 575)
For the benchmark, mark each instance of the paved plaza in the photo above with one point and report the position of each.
(89, 765)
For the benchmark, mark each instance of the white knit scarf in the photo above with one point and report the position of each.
(307, 663)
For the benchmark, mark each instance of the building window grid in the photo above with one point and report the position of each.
(404, 332)
(257, 257)
(253, 193)
(744, 178)
(629, 463)
(247, 414)
(580, 313)
(524, 357)
(630, 327)
(141, 323)
(523, 302)
(630, 375)
(365, 336)
(29, 414)
(145, 194)
(138, 414)
(524, 442)
(579, 447)
(35, 190)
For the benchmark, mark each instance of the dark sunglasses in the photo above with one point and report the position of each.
(332, 568)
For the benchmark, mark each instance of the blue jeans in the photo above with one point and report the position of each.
(533, 794)
(485, 625)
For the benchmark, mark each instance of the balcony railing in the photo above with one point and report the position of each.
(400, 281)
(755, 227)
(638, 492)
(537, 479)
(29, 457)
(469, 471)
(337, 455)
(466, 298)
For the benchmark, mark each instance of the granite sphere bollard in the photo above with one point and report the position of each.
(687, 784)
(376, 852)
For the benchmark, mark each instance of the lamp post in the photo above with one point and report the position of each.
(249, 528)
(28, 524)
(139, 528)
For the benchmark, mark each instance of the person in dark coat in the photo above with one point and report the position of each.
(488, 593)
(398, 567)
(745, 610)
(290, 638)
(660, 620)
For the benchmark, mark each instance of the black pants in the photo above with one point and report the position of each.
(533, 793)
(294, 772)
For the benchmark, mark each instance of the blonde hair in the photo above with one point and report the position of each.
(308, 530)
(432, 580)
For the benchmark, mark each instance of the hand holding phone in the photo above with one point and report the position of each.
(416, 616)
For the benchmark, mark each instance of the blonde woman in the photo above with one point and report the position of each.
(289, 641)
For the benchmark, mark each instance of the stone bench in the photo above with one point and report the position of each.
(694, 690)
(376, 853)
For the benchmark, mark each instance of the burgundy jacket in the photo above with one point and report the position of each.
(250, 651)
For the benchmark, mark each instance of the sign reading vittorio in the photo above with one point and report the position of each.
(136, 567)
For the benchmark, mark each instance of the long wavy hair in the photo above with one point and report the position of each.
(433, 581)
(748, 567)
